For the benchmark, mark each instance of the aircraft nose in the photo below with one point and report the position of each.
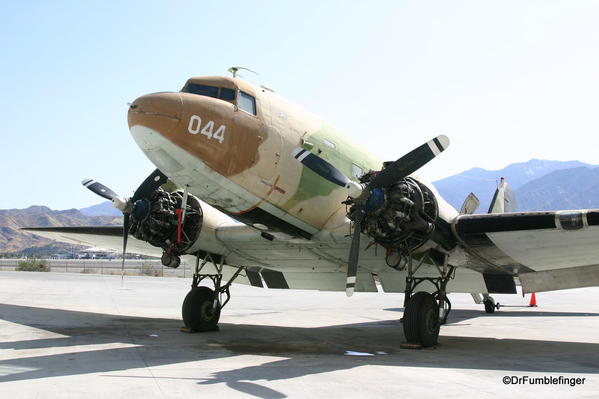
(160, 112)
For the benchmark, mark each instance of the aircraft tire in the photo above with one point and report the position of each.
(198, 312)
(421, 320)
(489, 306)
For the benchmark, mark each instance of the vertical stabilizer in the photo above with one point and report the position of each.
(504, 199)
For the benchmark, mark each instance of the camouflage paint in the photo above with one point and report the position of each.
(342, 156)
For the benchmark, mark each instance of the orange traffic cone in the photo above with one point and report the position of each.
(533, 301)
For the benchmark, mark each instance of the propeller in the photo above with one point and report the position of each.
(363, 193)
(99, 188)
(137, 204)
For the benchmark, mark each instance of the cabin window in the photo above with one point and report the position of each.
(330, 144)
(247, 103)
(356, 171)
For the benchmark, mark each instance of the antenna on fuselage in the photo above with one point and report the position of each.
(233, 71)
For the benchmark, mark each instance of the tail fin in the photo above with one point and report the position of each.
(504, 199)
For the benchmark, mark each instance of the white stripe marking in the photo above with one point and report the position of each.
(304, 155)
(351, 279)
(433, 147)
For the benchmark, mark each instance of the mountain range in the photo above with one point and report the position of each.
(14, 240)
(538, 184)
(102, 209)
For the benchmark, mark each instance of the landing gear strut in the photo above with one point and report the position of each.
(425, 313)
(202, 305)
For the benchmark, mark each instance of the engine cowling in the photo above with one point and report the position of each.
(157, 221)
(400, 217)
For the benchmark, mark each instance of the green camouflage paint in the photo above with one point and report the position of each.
(342, 156)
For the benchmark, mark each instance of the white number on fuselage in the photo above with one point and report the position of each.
(195, 127)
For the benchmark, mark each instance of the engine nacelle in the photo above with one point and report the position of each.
(401, 217)
(157, 221)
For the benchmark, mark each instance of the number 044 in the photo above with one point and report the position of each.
(195, 127)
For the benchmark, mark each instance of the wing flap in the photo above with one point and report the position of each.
(560, 279)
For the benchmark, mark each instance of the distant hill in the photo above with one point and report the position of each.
(11, 220)
(483, 182)
(575, 188)
(102, 209)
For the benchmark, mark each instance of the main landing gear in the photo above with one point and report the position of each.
(424, 313)
(202, 305)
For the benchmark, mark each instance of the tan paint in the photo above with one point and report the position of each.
(170, 114)
(256, 149)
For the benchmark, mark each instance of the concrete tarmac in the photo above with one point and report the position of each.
(83, 336)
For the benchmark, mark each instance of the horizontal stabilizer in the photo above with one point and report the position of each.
(470, 205)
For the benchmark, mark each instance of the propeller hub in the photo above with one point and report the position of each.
(120, 203)
(375, 201)
(141, 209)
(354, 189)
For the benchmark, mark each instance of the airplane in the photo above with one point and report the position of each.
(268, 194)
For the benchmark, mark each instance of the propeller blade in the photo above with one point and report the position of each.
(352, 267)
(320, 167)
(125, 237)
(151, 183)
(99, 189)
(410, 162)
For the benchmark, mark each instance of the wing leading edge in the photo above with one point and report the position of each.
(95, 236)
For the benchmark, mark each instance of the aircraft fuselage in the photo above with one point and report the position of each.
(232, 144)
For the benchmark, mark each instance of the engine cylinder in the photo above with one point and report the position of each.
(158, 221)
(400, 217)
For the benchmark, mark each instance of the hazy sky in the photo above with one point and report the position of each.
(505, 80)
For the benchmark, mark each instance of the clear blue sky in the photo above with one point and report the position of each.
(506, 81)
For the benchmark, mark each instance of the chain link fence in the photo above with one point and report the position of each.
(133, 267)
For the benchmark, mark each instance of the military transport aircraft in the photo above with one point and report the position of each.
(272, 195)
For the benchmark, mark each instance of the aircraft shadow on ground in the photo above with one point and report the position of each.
(506, 312)
(306, 351)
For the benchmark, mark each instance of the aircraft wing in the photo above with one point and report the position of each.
(304, 263)
(110, 237)
(546, 250)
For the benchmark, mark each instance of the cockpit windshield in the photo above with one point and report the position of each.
(210, 91)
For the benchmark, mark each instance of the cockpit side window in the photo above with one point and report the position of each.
(227, 94)
(247, 103)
